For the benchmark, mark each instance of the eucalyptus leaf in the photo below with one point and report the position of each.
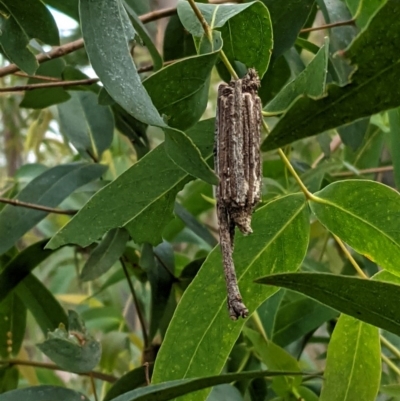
(105, 254)
(370, 301)
(370, 91)
(48, 189)
(353, 365)
(364, 215)
(43, 393)
(206, 333)
(139, 199)
(109, 54)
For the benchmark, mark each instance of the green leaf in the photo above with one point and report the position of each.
(370, 91)
(145, 36)
(21, 266)
(43, 393)
(35, 20)
(169, 390)
(180, 90)
(249, 24)
(48, 189)
(353, 134)
(151, 200)
(363, 10)
(353, 210)
(14, 42)
(88, 126)
(287, 22)
(129, 381)
(311, 82)
(204, 348)
(73, 351)
(46, 310)
(9, 377)
(367, 300)
(298, 318)
(353, 365)
(45, 97)
(108, 51)
(158, 263)
(276, 358)
(12, 328)
(105, 254)
(394, 120)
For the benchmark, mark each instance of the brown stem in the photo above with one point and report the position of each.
(365, 171)
(30, 87)
(41, 77)
(16, 202)
(60, 51)
(327, 26)
(50, 366)
(136, 302)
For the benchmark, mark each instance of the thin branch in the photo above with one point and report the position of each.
(30, 87)
(390, 364)
(93, 385)
(365, 171)
(50, 366)
(137, 305)
(60, 51)
(16, 202)
(41, 77)
(327, 26)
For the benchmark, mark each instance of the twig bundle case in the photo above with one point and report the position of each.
(238, 166)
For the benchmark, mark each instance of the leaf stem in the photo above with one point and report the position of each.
(208, 33)
(257, 321)
(390, 346)
(327, 26)
(289, 166)
(349, 256)
(50, 366)
(390, 364)
(93, 385)
(136, 302)
(16, 202)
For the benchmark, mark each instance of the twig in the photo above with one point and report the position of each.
(30, 87)
(327, 26)
(335, 143)
(16, 202)
(365, 171)
(136, 302)
(60, 51)
(41, 77)
(390, 364)
(50, 366)
(93, 385)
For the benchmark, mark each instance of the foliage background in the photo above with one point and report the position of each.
(135, 159)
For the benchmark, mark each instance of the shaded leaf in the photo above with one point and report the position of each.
(248, 23)
(353, 211)
(45, 97)
(145, 36)
(394, 120)
(367, 300)
(46, 310)
(169, 390)
(48, 189)
(353, 365)
(276, 358)
(73, 351)
(89, 126)
(371, 90)
(139, 199)
(108, 51)
(299, 318)
(353, 134)
(21, 266)
(363, 10)
(287, 22)
(311, 82)
(43, 393)
(36, 20)
(105, 254)
(9, 376)
(201, 320)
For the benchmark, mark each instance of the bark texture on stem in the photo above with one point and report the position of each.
(238, 166)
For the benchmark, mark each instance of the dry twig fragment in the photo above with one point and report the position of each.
(238, 166)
